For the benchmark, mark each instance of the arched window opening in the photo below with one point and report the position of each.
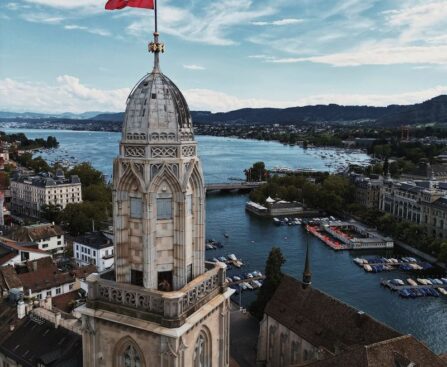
(202, 351)
(131, 358)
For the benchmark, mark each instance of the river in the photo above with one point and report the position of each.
(251, 237)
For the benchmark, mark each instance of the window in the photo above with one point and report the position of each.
(48, 293)
(44, 245)
(189, 273)
(77, 247)
(59, 243)
(164, 208)
(202, 351)
(94, 253)
(70, 286)
(131, 358)
(189, 204)
(136, 208)
(58, 291)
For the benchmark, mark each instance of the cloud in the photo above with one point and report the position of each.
(42, 18)
(205, 99)
(212, 24)
(97, 31)
(194, 67)
(377, 55)
(68, 4)
(280, 22)
(67, 94)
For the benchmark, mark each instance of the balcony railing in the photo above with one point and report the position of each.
(169, 309)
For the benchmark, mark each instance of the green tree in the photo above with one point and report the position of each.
(274, 276)
(87, 174)
(51, 212)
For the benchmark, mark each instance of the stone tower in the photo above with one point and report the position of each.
(162, 305)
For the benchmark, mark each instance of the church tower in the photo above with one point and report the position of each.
(162, 304)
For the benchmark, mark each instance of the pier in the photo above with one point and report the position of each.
(232, 186)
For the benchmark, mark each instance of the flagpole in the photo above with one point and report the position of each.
(156, 47)
(155, 13)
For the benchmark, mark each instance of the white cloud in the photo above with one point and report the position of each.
(69, 4)
(212, 24)
(377, 55)
(42, 18)
(205, 99)
(97, 31)
(280, 22)
(194, 67)
(67, 95)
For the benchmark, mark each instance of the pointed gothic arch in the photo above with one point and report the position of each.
(128, 180)
(165, 175)
(202, 355)
(127, 353)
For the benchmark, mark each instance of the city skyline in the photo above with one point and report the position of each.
(225, 55)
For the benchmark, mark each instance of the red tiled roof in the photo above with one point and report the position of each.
(37, 232)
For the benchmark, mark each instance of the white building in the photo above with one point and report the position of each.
(94, 248)
(30, 193)
(12, 253)
(47, 236)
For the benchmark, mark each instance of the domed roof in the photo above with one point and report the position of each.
(156, 108)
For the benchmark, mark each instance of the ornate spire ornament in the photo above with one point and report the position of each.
(307, 274)
(156, 47)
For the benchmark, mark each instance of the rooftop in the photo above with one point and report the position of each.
(45, 179)
(323, 320)
(36, 232)
(36, 341)
(96, 240)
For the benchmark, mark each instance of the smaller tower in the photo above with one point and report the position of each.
(307, 274)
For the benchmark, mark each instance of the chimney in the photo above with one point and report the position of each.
(21, 310)
(57, 319)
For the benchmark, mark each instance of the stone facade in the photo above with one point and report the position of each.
(161, 305)
(30, 193)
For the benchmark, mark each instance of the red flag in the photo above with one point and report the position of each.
(120, 4)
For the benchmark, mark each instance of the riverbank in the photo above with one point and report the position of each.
(422, 255)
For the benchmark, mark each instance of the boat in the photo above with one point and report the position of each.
(442, 291)
(411, 282)
(367, 268)
(226, 235)
(276, 221)
(237, 263)
(236, 278)
(232, 257)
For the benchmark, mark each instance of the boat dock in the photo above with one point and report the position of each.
(333, 244)
(381, 264)
(247, 280)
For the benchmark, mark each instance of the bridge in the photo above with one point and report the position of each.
(233, 186)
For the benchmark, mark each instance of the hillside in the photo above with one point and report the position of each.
(431, 111)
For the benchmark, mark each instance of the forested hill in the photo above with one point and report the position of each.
(431, 111)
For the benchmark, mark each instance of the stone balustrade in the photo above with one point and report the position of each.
(169, 309)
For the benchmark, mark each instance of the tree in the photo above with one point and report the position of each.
(51, 212)
(273, 276)
(87, 174)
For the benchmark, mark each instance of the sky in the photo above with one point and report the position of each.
(74, 56)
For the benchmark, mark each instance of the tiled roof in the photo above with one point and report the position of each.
(37, 232)
(9, 278)
(32, 342)
(323, 320)
(400, 351)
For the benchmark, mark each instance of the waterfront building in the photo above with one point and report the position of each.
(161, 305)
(48, 237)
(303, 326)
(367, 190)
(94, 248)
(405, 199)
(427, 171)
(30, 193)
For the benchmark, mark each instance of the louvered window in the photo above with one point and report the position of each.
(164, 208)
(136, 208)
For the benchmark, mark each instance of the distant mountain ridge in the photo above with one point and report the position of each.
(34, 115)
(431, 111)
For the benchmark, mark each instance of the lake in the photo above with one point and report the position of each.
(251, 238)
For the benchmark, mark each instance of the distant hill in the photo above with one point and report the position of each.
(34, 115)
(431, 111)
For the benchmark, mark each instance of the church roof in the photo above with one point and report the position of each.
(323, 320)
(400, 351)
(156, 110)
